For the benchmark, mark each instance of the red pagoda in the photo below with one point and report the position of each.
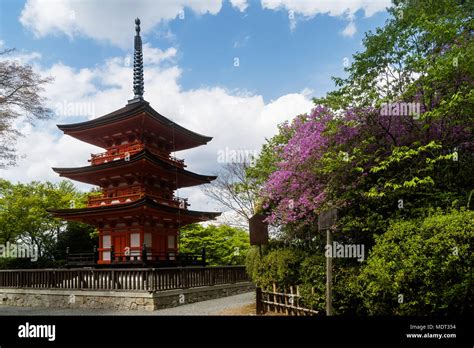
(137, 214)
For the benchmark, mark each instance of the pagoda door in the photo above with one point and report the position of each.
(120, 242)
(159, 246)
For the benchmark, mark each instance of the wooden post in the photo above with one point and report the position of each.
(258, 301)
(292, 302)
(326, 220)
(275, 307)
(297, 297)
(329, 275)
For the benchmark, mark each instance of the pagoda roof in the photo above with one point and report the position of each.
(94, 131)
(143, 206)
(92, 174)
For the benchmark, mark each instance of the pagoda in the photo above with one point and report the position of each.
(136, 213)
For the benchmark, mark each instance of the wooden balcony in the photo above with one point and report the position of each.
(131, 194)
(120, 152)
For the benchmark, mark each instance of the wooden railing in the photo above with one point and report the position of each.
(137, 256)
(141, 279)
(122, 151)
(133, 194)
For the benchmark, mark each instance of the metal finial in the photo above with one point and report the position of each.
(137, 27)
(138, 85)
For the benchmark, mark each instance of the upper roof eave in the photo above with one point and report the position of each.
(127, 111)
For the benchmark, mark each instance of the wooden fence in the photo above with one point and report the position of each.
(144, 279)
(283, 302)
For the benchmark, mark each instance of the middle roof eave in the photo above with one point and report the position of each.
(144, 154)
(143, 202)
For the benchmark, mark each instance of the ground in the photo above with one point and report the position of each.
(242, 304)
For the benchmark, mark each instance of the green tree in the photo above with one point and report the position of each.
(78, 237)
(23, 214)
(224, 245)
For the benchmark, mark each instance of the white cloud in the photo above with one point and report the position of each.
(310, 8)
(153, 55)
(86, 18)
(350, 29)
(106, 20)
(336, 8)
(241, 5)
(236, 119)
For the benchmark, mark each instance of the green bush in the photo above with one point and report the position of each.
(252, 261)
(23, 263)
(312, 281)
(279, 266)
(312, 284)
(428, 262)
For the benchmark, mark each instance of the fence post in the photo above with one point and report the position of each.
(258, 301)
(113, 280)
(275, 297)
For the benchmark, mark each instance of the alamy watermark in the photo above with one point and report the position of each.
(401, 109)
(237, 156)
(21, 251)
(28, 330)
(67, 108)
(338, 250)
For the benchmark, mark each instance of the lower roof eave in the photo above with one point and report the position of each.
(141, 205)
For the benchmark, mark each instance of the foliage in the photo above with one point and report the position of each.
(429, 262)
(279, 267)
(252, 261)
(78, 237)
(25, 263)
(224, 245)
(313, 281)
(348, 153)
(23, 214)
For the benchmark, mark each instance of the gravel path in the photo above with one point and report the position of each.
(210, 307)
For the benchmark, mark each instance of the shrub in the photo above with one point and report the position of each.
(279, 266)
(429, 263)
(312, 281)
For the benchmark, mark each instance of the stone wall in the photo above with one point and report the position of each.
(117, 300)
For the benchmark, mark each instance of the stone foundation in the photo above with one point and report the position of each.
(117, 300)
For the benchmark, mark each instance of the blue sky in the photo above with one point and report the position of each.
(274, 60)
(287, 52)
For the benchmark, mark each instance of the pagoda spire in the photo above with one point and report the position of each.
(137, 66)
